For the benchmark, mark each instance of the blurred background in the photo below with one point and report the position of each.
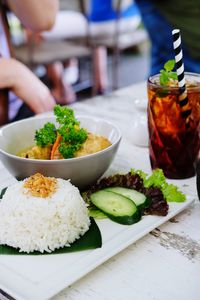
(94, 48)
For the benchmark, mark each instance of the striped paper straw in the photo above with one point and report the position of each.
(183, 98)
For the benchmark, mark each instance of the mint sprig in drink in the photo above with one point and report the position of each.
(173, 145)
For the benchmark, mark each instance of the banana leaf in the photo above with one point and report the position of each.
(90, 240)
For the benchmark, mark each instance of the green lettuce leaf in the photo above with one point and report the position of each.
(157, 179)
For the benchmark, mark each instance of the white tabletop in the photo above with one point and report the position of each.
(163, 265)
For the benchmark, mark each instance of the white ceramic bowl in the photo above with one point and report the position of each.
(83, 171)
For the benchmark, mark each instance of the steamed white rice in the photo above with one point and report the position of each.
(42, 224)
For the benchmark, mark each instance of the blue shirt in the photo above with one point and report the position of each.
(160, 33)
(103, 10)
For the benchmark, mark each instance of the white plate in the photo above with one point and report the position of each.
(41, 277)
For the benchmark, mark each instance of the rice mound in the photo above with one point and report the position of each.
(42, 224)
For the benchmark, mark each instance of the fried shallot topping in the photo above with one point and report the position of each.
(40, 186)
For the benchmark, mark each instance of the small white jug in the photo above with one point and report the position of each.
(139, 130)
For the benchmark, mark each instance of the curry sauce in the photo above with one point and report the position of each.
(94, 143)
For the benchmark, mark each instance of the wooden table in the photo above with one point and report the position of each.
(163, 265)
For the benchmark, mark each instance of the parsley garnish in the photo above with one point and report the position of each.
(72, 135)
(166, 74)
(64, 115)
(72, 139)
(46, 135)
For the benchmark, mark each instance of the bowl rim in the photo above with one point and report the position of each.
(59, 161)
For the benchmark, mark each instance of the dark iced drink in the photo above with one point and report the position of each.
(174, 141)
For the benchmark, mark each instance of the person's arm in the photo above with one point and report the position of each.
(37, 15)
(18, 78)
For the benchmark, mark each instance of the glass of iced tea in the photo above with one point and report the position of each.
(174, 141)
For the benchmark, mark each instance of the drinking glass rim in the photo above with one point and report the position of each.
(154, 84)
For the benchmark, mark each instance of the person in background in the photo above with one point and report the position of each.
(69, 24)
(30, 96)
(160, 18)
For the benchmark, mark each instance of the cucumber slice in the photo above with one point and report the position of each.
(117, 207)
(139, 199)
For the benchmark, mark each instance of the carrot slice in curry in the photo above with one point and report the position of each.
(55, 146)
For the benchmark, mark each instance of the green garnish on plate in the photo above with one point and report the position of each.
(157, 179)
(167, 73)
(150, 193)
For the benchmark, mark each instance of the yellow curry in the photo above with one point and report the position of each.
(94, 143)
